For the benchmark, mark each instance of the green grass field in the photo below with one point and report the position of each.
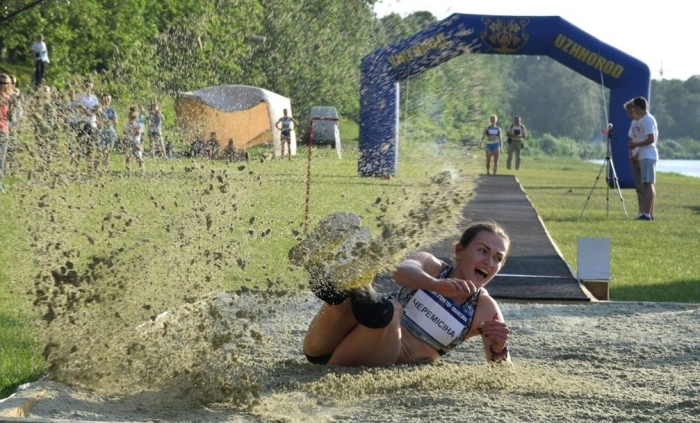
(184, 229)
(651, 261)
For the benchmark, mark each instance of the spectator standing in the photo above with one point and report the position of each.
(211, 147)
(634, 132)
(169, 153)
(230, 151)
(16, 117)
(108, 129)
(40, 54)
(88, 108)
(155, 131)
(5, 110)
(197, 146)
(17, 107)
(134, 135)
(648, 154)
(516, 134)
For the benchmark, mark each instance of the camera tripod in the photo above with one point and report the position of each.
(609, 169)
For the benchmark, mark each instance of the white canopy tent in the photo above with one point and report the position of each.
(245, 114)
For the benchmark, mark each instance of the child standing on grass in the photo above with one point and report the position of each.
(5, 103)
(133, 132)
(155, 131)
(108, 129)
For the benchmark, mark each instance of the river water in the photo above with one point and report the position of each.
(683, 167)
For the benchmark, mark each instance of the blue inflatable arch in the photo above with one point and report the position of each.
(552, 36)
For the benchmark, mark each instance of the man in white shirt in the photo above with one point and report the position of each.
(636, 133)
(648, 154)
(40, 54)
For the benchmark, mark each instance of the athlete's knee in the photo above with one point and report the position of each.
(375, 314)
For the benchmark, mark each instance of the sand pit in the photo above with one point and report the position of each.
(236, 357)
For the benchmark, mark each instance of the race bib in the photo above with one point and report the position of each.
(437, 316)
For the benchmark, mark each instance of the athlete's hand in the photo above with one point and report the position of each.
(496, 331)
(451, 287)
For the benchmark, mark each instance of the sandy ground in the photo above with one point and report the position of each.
(236, 357)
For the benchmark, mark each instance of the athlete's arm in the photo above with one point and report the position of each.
(493, 329)
(417, 273)
(647, 141)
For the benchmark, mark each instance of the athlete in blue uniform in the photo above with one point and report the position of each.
(284, 124)
(436, 308)
(493, 138)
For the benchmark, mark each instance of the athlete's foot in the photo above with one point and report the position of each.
(321, 286)
(339, 252)
(354, 264)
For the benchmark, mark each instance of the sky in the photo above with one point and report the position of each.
(661, 34)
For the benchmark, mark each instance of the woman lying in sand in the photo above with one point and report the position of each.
(436, 307)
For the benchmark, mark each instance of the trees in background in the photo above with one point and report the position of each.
(313, 51)
(556, 100)
(310, 51)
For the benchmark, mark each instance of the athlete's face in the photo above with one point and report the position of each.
(482, 258)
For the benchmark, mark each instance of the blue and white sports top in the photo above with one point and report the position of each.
(493, 131)
(286, 122)
(434, 319)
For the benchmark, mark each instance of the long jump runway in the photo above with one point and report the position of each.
(534, 270)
